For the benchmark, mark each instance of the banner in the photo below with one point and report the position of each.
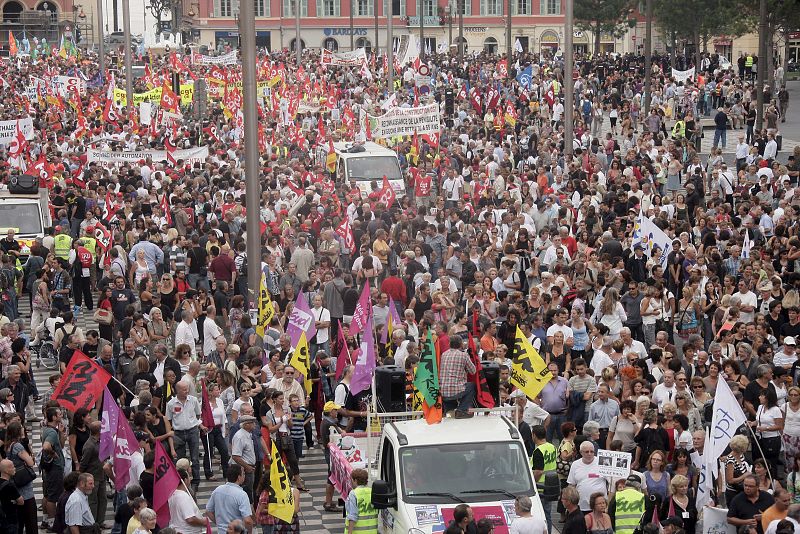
(108, 425)
(170, 120)
(114, 159)
(82, 383)
(407, 49)
(407, 121)
(483, 395)
(8, 130)
(649, 236)
(426, 381)
(153, 95)
(528, 370)
(352, 58)
(165, 483)
(281, 499)
(340, 471)
(613, 464)
(228, 59)
(301, 321)
(301, 362)
(364, 367)
(683, 75)
(715, 521)
(266, 311)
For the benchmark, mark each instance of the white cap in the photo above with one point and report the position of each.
(789, 340)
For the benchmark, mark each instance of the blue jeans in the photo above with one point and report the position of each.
(554, 429)
(720, 134)
(216, 441)
(462, 402)
(195, 279)
(120, 498)
(190, 438)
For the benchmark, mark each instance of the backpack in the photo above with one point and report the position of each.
(241, 340)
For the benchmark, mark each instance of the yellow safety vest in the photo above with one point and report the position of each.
(549, 455)
(748, 61)
(90, 244)
(628, 511)
(367, 521)
(679, 130)
(62, 245)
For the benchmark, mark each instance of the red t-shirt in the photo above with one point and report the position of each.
(223, 268)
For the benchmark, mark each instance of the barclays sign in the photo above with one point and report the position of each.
(344, 31)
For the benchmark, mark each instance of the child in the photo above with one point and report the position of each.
(300, 417)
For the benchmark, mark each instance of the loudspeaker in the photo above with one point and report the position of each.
(390, 388)
(449, 102)
(491, 372)
(23, 184)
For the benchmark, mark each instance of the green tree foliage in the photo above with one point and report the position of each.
(602, 16)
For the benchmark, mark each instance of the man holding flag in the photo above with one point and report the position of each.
(457, 391)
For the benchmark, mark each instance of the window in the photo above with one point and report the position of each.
(491, 7)
(328, 8)
(330, 44)
(365, 8)
(550, 7)
(262, 8)
(288, 8)
(429, 8)
(398, 7)
(363, 42)
(490, 45)
(521, 7)
(223, 8)
(465, 5)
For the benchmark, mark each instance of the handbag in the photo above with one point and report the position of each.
(24, 476)
(103, 316)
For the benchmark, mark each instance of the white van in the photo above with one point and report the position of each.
(424, 471)
(28, 214)
(368, 162)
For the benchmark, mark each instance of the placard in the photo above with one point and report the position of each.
(407, 121)
(613, 464)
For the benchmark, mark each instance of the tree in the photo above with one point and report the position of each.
(158, 8)
(602, 16)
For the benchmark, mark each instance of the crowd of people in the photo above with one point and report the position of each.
(520, 232)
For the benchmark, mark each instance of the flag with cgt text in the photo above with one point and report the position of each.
(83, 383)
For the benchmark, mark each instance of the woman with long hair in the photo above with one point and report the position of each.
(655, 477)
(78, 434)
(18, 451)
(215, 437)
(768, 426)
(160, 429)
(559, 354)
(611, 313)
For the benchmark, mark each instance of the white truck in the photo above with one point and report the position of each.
(421, 472)
(365, 163)
(28, 214)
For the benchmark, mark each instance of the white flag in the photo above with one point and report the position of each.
(728, 417)
(708, 469)
(517, 47)
(746, 245)
(715, 521)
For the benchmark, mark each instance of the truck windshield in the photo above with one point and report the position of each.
(373, 168)
(474, 468)
(24, 218)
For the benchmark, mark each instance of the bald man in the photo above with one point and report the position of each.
(10, 498)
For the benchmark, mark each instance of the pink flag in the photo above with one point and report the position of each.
(301, 320)
(109, 425)
(166, 480)
(365, 364)
(207, 414)
(396, 320)
(343, 358)
(125, 444)
(363, 311)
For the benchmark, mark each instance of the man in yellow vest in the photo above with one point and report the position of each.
(62, 244)
(627, 506)
(543, 463)
(361, 516)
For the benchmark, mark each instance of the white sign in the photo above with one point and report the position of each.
(352, 58)
(114, 159)
(406, 121)
(613, 464)
(170, 120)
(683, 75)
(8, 130)
(146, 113)
(715, 521)
(650, 236)
(228, 59)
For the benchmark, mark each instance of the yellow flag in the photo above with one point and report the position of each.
(281, 500)
(528, 371)
(266, 311)
(300, 361)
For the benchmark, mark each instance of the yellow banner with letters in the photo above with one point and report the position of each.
(153, 95)
(266, 311)
(281, 500)
(528, 371)
(300, 361)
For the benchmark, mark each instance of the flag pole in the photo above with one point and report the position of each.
(758, 444)
(123, 386)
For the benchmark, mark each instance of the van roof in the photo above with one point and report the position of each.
(370, 149)
(451, 430)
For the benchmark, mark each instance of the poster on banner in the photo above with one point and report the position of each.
(8, 130)
(406, 121)
(350, 59)
(427, 514)
(683, 75)
(153, 95)
(170, 120)
(114, 159)
(61, 85)
(230, 58)
(407, 49)
(715, 521)
(614, 464)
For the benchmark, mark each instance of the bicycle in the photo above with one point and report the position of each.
(46, 354)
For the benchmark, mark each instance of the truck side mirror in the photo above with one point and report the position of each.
(382, 496)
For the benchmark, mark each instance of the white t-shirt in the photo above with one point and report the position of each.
(767, 418)
(528, 525)
(564, 329)
(182, 507)
(211, 331)
(587, 481)
(663, 393)
(322, 315)
(747, 299)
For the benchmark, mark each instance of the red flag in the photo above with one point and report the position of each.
(343, 358)
(169, 100)
(550, 96)
(475, 99)
(346, 233)
(103, 237)
(502, 68)
(109, 208)
(387, 196)
(484, 396)
(165, 209)
(43, 169)
(82, 384)
(207, 414)
(211, 132)
(320, 130)
(166, 481)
